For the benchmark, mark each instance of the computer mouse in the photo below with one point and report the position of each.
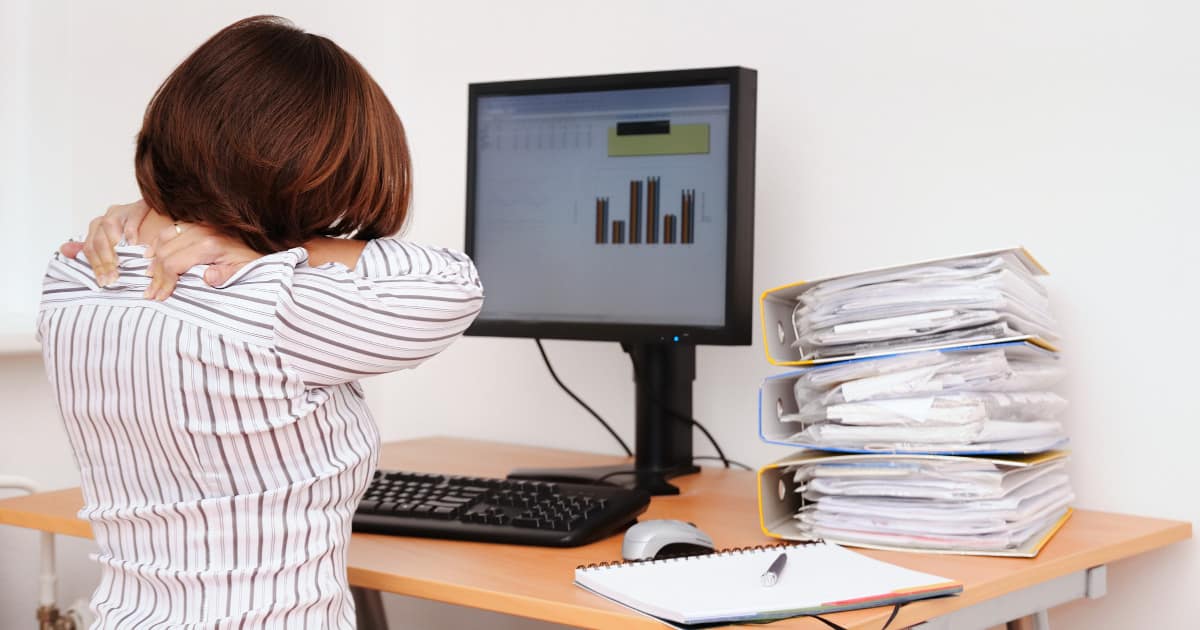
(664, 538)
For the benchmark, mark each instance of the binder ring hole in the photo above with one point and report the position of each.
(779, 330)
(778, 407)
(782, 489)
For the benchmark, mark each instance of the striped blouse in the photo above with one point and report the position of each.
(222, 439)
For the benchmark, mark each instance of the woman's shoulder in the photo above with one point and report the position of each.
(243, 306)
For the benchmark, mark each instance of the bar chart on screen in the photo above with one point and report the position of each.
(648, 224)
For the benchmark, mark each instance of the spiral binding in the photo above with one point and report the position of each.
(719, 553)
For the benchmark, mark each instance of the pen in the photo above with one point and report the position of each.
(772, 575)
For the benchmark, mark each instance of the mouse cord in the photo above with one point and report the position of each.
(895, 610)
(570, 393)
(730, 461)
(720, 453)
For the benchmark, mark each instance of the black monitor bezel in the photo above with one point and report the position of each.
(740, 244)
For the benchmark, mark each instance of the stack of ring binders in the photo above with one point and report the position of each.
(924, 403)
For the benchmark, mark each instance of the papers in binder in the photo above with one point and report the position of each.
(983, 399)
(980, 298)
(995, 506)
(981, 295)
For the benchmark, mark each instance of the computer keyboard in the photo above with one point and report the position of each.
(495, 510)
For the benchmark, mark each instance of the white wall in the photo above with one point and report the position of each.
(887, 132)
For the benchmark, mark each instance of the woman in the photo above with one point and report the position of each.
(222, 439)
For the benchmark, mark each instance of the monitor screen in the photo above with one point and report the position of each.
(604, 206)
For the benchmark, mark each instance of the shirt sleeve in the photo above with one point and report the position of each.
(400, 305)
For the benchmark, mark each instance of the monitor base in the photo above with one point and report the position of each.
(622, 475)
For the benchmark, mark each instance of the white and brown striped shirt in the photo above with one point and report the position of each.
(222, 439)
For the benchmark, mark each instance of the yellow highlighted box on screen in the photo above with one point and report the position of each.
(682, 140)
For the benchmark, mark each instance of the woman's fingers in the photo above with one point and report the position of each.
(164, 236)
(70, 249)
(162, 282)
(101, 254)
(176, 250)
(134, 213)
(180, 247)
(219, 274)
(122, 221)
(108, 235)
(113, 224)
(173, 255)
(119, 222)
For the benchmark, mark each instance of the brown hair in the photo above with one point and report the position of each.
(274, 136)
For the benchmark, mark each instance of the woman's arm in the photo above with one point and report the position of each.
(395, 306)
(387, 304)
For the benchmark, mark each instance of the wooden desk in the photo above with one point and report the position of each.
(536, 582)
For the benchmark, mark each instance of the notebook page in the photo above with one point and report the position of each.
(727, 586)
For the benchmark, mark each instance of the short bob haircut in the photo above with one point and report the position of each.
(274, 136)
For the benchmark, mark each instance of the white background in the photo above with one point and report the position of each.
(888, 132)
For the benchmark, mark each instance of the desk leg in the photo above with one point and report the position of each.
(368, 606)
(1037, 621)
(1028, 605)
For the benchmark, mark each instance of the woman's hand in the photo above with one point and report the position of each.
(181, 246)
(104, 233)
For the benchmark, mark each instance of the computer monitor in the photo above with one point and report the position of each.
(619, 208)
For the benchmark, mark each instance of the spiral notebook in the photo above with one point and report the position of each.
(726, 586)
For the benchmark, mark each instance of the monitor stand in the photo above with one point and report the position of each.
(663, 374)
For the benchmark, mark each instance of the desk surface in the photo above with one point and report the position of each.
(537, 582)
